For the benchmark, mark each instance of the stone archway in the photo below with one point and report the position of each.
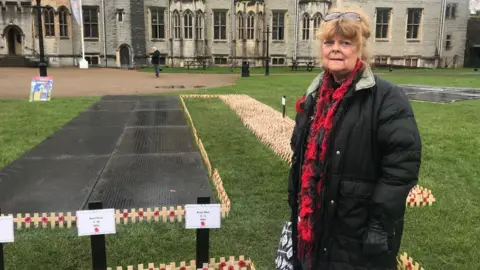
(14, 39)
(125, 56)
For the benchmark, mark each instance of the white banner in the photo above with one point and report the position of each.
(76, 9)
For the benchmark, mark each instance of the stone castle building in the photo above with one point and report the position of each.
(121, 33)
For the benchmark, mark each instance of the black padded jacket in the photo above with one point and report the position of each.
(373, 162)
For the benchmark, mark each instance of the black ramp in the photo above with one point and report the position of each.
(152, 180)
(119, 98)
(48, 185)
(166, 104)
(122, 98)
(99, 119)
(158, 118)
(141, 140)
(112, 152)
(78, 142)
(113, 106)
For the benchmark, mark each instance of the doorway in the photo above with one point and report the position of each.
(14, 40)
(124, 56)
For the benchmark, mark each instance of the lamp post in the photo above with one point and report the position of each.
(42, 65)
(267, 57)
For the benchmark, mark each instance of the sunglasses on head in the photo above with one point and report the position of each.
(338, 15)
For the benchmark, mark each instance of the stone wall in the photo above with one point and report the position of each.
(129, 37)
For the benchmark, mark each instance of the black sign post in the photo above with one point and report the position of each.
(42, 65)
(99, 250)
(284, 100)
(203, 239)
(267, 57)
(2, 260)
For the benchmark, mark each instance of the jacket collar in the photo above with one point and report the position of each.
(366, 81)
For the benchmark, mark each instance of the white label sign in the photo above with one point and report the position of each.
(96, 222)
(6, 229)
(203, 216)
(283, 100)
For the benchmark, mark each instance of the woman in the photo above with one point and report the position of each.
(356, 155)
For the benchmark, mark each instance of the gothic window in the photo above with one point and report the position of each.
(317, 20)
(453, 13)
(63, 21)
(251, 25)
(188, 25)
(176, 25)
(240, 25)
(199, 25)
(49, 21)
(450, 11)
(306, 27)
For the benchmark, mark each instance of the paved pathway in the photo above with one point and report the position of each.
(69, 82)
(128, 152)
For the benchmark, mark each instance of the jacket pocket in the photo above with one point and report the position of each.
(356, 189)
(353, 207)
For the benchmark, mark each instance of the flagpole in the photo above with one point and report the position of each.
(104, 33)
(81, 30)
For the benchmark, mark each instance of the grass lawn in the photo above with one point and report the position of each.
(442, 236)
(301, 70)
(24, 124)
(227, 70)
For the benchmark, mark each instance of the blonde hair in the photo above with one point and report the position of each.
(357, 31)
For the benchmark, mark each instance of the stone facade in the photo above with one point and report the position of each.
(228, 31)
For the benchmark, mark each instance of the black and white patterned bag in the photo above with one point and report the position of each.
(284, 258)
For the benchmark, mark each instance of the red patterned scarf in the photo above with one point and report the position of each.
(310, 186)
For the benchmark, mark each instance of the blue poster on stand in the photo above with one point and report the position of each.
(41, 88)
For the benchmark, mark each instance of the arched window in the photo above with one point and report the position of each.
(199, 19)
(240, 25)
(176, 25)
(188, 25)
(49, 21)
(447, 11)
(251, 25)
(454, 10)
(63, 21)
(306, 27)
(317, 20)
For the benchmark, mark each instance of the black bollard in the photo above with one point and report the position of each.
(99, 250)
(245, 69)
(284, 100)
(203, 239)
